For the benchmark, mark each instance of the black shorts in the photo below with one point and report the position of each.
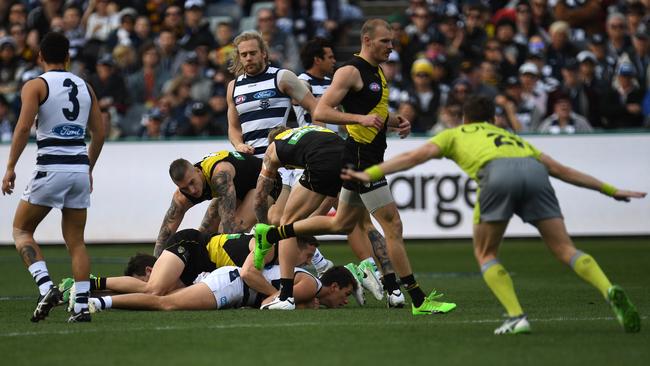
(325, 178)
(190, 246)
(359, 157)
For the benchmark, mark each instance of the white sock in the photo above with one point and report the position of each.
(41, 276)
(82, 292)
(318, 260)
(108, 302)
(101, 303)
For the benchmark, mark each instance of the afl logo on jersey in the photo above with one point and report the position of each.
(374, 87)
(240, 99)
(68, 130)
(264, 94)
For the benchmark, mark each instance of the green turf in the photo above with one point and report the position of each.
(571, 323)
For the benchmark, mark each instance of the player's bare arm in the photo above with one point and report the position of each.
(234, 126)
(399, 163)
(173, 217)
(289, 84)
(254, 277)
(580, 179)
(265, 183)
(97, 133)
(222, 181)
(33, 92)
(345, 79)
(211, 219)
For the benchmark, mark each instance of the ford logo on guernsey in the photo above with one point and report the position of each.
(264, 94)
(374, 87)
(68, 130)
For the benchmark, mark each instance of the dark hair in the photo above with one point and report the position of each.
(314, 48)
(276, 131)
(138, 264)
(304, 241)
(178, 168)
(54, 48)
(478, 108)
(339, 275)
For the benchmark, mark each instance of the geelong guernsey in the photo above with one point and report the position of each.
(318, 87)
(61, 123)
(261, 107)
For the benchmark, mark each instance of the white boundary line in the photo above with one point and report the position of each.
(289, 325)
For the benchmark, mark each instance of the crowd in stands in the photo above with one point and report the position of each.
(160, 67)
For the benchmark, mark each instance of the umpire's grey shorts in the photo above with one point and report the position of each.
(515, 185)
(58, 190)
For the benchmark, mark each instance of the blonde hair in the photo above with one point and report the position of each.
(237, 68)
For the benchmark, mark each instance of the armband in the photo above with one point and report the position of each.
(608, 189)
(375, 173)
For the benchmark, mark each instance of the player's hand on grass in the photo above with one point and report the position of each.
(624, 195)
(8, 182)
(371, 120)
(353, 175)
(244, 148)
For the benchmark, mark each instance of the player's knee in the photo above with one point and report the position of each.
(343, 226)
(20, 235)
(394, 228)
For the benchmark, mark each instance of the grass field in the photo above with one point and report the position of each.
(571, 323)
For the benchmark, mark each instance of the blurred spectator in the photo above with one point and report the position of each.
(170, 123)
(74, 31)
(471, 71)
(125, 60)
(152, 125)
(506, 113)
(200, 87)
(7, 121)
(505, 31)
(563, 119)
(142, 30)
(197, 28)
(393, 73)
(493, 53)
(634, 14)
(528, 115)
(225, 49)
(453, 33)
(474, 35)
(560, 49)
(325, 16)
(628, 113)
(11, 67)
(587, 15)
(420, 32)
(641, 56)
(146, 84)
(541, 16)
(109, 86)
(98, 21)
(124, 34)
(524, 22)
(460, 90)
(291, 18)
(619, 41)
(605, 63)
(425, 97)
(17, 14)
(40, 17)
(450, 116)
(23, 50)
(597, 92)
(200, 123)
(283, 50)
(171, 56)
(532, 90)
(173, 21)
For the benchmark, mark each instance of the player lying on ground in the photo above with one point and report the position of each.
(224, 288)
(191, 253)
(513, 177)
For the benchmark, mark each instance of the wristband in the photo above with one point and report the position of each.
(375, 173)
(608, 189)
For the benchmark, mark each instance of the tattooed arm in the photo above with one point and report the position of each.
(211, 219)
(180, 204)
(265, 183)
(222, 183)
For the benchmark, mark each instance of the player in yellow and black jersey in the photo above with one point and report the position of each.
(228, 179)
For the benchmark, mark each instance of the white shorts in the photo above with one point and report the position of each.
(287, 175)
(372, 200)
(58, 189)
(226, 286)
